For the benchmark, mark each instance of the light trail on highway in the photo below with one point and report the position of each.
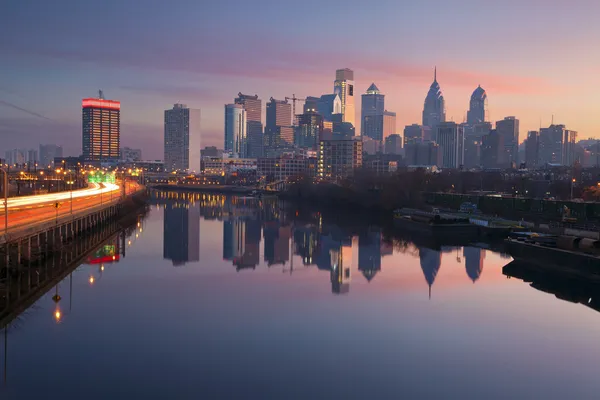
(96, 189)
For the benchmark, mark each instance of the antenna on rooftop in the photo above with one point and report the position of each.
(100, 94)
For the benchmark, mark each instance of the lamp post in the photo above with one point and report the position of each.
(572, 182)
(5, 187)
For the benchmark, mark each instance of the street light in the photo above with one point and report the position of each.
(5, 184)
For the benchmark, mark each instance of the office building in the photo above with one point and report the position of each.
(373, 106)
(389, 123)
(101, 135)
(393, 144)
(309, 129)
(278, 130)
(422, 154)
(338, 158)
(32, 157)
(279, 113)
(282, 167)
(508, 128)
(128, 154)
(344, 88)
(557, 145)
(413, 134)
(329, 105)
(371, 146)
(532, 147)
(493, 151)
(450, 137)
(477, 113)
(311, 104)
(473, 140)
(434, 110)
(211, 151)
(254, 126)
(47, 154)
(182, 139)
(235, 130)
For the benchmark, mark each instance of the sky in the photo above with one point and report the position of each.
(535, 58)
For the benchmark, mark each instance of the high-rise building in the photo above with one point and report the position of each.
(450, 137)
(32, 157)
(373, 106)
(235, 130)
(477, 113)
(182, 139)
(181, 242)
(339, 158)
(311, 104)
(393, 144)
(329, 105)
(532, 147)
(48, 152)
(278, 130)
(413, 134)
(508, 128)
(434, 110)
(389, 123)
(254, 127)
(308, 131)
(344, 87)
(493, 154)
(422, 154)
(557, 145)
(473, 139)
(101, 134)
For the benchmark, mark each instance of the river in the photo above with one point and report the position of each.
(230, 297)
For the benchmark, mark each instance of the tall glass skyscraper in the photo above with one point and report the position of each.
(373, 107)
(235, 130)
(101, 129)
(254, 126)
(182, 139)
(477, 107)
(344, 87)
(434, 110)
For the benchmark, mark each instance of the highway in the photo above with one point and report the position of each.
(28, 210)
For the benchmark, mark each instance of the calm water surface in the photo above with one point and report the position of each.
(235, 298)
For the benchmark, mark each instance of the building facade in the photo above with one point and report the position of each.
(309, 129)
(413, 134)
(329, 105)
(473, 141)
(450, 137)
(236, 139)
(254, 126)
(372, 108)
(129, 154)
(393, 144)
(182, 139)
(339, 158)
(477, 113)
(48, 152)
(422, 154)
(344, 88)
(101, 133)
(493, 153)
(557, 145)
(532, 148)
(434, 110)
(508, 128)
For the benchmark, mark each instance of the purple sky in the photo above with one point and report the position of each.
(535, 58)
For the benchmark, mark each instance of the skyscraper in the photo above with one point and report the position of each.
(101, 136)
(254, 127)
(372, 108)
(393, 144)
(508, 128)
(477, 107)
(344, 87)
(473, 140)
(532, 147)
(278, 130)
(557, 145)
(389, 123)
(235, 130)
(308, 131)
(450, 137)
(182, 139)
(413, 134)
(493, 154)
(434, 111)
(329, 105)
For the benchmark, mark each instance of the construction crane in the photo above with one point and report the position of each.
(294, 99)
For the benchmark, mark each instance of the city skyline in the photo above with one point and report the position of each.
(47, 78)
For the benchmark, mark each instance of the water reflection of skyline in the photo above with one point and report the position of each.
(326, 246)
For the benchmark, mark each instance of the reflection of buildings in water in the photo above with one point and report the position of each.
(306, 244)
(341, 262)
(369, 253)
(474, 262)
(181, 239)
(387, 249)
(431, 260)
(108, 253)
(323, 258)
(277, 243)
(241, 242)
